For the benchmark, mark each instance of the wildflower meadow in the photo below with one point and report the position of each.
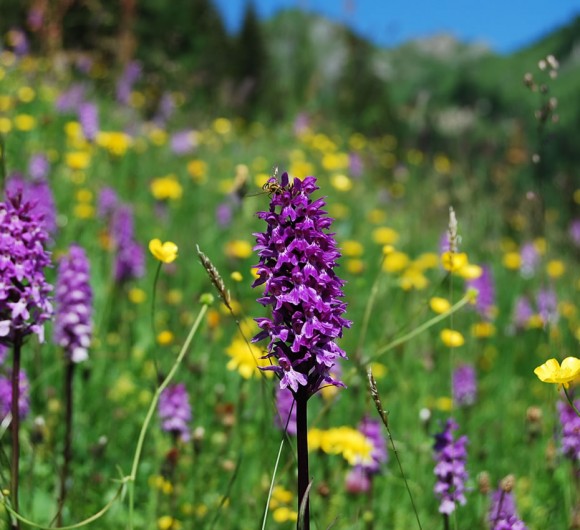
(221, 318)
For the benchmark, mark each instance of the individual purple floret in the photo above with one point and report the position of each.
(570, 425)
(450, 469)
(297, 260)
(25, 304)
(175, 411)
(485, 302)
(464, 386)
(74, 305)
(130, 257)
(286, 411)
(502, 512)
(88, 115)
(6, 395)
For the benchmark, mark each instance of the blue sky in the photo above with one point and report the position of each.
(504, 25)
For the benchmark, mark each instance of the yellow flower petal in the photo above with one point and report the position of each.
(165, 252)
(552, 372)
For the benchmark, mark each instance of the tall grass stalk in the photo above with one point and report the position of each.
(152, 407)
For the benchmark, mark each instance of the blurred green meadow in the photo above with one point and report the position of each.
(193, 175)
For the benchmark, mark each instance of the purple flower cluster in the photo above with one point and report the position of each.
(130, 256)
(175, 411)
(36, 190)
(359, 478)
(88, 114)
(546, 306)
(464, 385)
(73, 326)
(71, 99)
(485, 302)
(107, 203)
(530, 260)
(502, 512)
(129, 77)
(286, 411)
(574, 232)
(6, 395)
(183, 142)
(25, 304)
(570, 424)
(297, 260)
(450, 471)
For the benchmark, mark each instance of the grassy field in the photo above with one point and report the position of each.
(391, 207)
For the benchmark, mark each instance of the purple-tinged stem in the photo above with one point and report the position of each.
(15, 427)
(302, 454)
(67, 449)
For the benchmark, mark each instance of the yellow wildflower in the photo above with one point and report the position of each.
(395, 261)
(238, 248)
(444, 403)
(284, 514)
(341, 182)
(5, 125)
(512, 260)
(470, 271)
(165, 188)
(137, 296)
(555, 268)
(452, 338)
(26, 94)
(351, 248)
(115, 142)
(166, 522)
(222, 125)
(439, 305)
(236, 276)
(246, 359)
(197, 169)
(78, 160)
(165, 338)
(453, 261)
(165, 252)
(483, 330)
(552, 372)
(355, 266)
(413, 279)
(24, 122)
(383, 235)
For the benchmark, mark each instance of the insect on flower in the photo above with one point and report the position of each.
(273, 187)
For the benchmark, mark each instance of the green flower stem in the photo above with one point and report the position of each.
(15, 426)
(136, 459)
(85, 522)
(423, 327)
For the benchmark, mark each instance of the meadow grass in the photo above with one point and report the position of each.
(388, 222)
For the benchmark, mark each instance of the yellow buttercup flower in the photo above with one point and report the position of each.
(238, 248)
(439, 305)
(512, 260)
(453, 261)
(552, 372)
(395, 261)
(165, 252)
(247, 359)
(165, 188)
(555, 268)
(165, 338)
(452, 338)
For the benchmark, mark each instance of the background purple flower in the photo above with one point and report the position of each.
(574, 232)
(88, 115)
(71, 99)
(107, 202)
(130, 256)
(183, 142)
(547, 303)
(502, 512)
(523, 311)
(286, 411)
(464, 385)
(450, 471)
(570, 426)
(297, 260)
(485, 302)
(129, 77)
(24, 292)
(38, 166)
(530, 260)
(74, 297)
(175, 411)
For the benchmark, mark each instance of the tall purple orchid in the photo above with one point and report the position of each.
(297, 261)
